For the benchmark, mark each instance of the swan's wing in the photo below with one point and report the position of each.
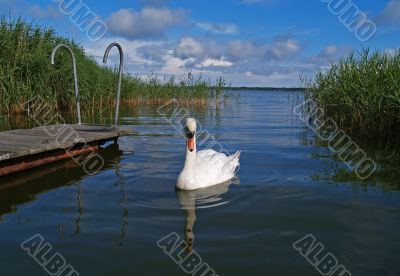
(205, 155)
(211, 158)
(214, 167)
(233, 163)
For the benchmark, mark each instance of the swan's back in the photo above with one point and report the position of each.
(213, 167)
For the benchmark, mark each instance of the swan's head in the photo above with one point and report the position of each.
(190, 133)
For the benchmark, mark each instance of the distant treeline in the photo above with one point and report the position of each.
(297, 89)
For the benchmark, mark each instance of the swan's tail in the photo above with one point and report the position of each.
(235, 156)
(232, 166)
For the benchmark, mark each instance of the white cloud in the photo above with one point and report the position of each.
(189, 47)
(160, 57)
(43, 13)
(175, 65)
(228, 28)
(282, 48)
(135, 62)
(330, 54)
(244, 51)
(212, 62)
(279, 49)
(390, 14)
(24, 8)
(244, 63)
(239, 50)
(331, 50)
(239, 62)
(148, 23)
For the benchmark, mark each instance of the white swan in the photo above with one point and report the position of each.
(204, 168)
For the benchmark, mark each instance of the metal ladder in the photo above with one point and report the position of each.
(105, 58)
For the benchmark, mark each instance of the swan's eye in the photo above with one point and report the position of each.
(189, 134)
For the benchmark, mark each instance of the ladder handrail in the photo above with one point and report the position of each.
(78, 101)
(121, 69)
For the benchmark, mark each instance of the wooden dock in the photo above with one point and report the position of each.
(24, 149)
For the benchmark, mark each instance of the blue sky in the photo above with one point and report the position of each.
(248, 42)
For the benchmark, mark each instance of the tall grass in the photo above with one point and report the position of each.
(26, 72)
(362, 94)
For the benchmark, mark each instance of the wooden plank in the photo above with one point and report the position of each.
(5, 136)
(63, 130)
(64, 135)
(28, 147)
(84, 133)
(13, 146)
(43, 136)
(24, 150)
(23, 143)
(27, 142)
(100, 128)
(34, 136)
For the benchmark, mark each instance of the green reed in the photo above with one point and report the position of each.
(361, 93)
(26, 72)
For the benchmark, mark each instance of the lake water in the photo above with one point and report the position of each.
(110, 223)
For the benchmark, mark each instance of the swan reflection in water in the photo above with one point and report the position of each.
(202, 198)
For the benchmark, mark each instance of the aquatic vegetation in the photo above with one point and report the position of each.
(386, 157)
(362, 94)
(26, 72)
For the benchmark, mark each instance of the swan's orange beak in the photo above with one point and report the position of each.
(190, 144)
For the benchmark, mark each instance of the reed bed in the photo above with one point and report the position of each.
(26, 72)
(362, 94)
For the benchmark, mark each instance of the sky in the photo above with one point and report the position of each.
(247, 42)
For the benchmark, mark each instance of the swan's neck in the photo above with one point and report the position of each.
(190, 161)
